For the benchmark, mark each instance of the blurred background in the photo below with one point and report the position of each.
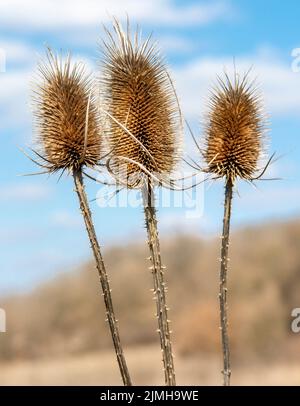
(56, 333)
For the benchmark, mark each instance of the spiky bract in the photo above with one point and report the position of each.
(139, 95)
(67, 136)
(234, 130)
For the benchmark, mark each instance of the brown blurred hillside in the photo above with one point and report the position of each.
(66, 316)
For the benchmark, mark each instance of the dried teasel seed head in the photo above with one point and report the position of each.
(234, 129)
(144, 115)
(68, 133)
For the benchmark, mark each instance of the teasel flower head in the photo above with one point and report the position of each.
(66, 119)
(234, 130)
(141, 105)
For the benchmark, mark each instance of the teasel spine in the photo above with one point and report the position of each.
(157, 270)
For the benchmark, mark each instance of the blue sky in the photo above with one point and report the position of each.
(41, 230)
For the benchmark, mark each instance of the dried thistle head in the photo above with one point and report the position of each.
(141, 103)
(68, 133)
(234, 130)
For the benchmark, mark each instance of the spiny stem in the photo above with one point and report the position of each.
(79, 187)
(159, 284)
(223, 283)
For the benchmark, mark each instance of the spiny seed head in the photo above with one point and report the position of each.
(68, 132)
(234, 130)
(139, 95)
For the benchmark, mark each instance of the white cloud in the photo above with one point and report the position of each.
(175, 44)
(16, 51)
(192, 80)
(270, 200)
(14, 98)
(11, 234)
(17, 84)
(24, 192)
(61, 14)
(76, 19)
(280, 86)
(177, 222)
(66, 218)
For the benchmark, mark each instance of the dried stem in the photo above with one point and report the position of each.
(223, 283)
(79, 187)
(159, 284)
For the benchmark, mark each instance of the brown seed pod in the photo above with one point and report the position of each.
(68, 132)
(141, 103)
(234, 130)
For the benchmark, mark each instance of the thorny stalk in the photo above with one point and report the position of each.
(223, 283)
(111, 318)
(159, 284)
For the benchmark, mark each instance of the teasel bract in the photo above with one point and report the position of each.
(144, 119)
(234, 145)
(68, 140)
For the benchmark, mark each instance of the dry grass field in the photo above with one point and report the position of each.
(56, 334)
(99, 368)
